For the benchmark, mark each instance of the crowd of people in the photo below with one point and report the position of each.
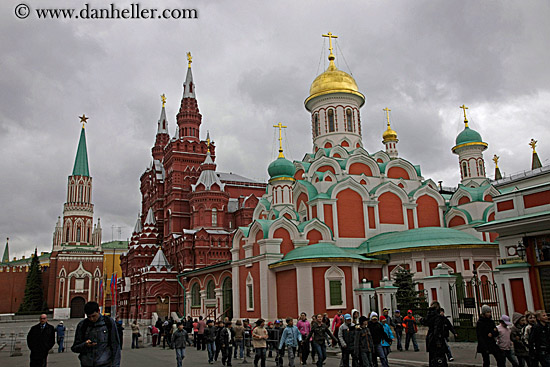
(364, 341)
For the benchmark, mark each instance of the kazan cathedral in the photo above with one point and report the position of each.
(333, 228)
(328, 232)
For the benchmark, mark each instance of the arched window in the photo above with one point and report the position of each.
(195, 296)
(330, 120)
(79, 194)
(78, 234)
(210, 293)
(349, 120)
(249, 293)
(335, 288)
(214, 217)
(464, 169)
(316, 125)
(67, 235)
(481, 168)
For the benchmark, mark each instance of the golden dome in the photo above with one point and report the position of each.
(334, 81)
(389, 135)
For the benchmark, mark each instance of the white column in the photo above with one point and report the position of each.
(304, 287)
(236, 291)
(440, 280)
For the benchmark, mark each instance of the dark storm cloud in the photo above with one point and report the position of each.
(253, 64)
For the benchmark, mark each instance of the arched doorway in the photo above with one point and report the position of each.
(227, 294)
(77, 307)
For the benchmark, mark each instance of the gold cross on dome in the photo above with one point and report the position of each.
(163, 99)
(281, 127)
(330, 37)
(387, 115)
(189, 59)
(83, 119)
(533, 144)
(465, 118)
(495, 159)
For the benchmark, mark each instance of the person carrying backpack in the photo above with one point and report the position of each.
(96, 339)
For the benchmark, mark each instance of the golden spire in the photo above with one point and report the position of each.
(387, 115)
(163, 99)
(465, 118)
(189, 60)
(533, 144)
(389, 134)
(281, 127)
(495, 159)
(208, 141)
(83, 119)
(331, 55)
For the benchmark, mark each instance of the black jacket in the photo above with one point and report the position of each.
(41, 339)
(227, 337)
(318, 332)
(104, 333)
(436, 323)
(378, 333)
(363, 341)
(179, 338)
(539, 339)
(210, 334)
(484, 327)
(346, 336)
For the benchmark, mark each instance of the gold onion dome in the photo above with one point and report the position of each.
(389, 135)
(333, 81)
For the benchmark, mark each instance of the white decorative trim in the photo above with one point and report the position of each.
(335, 273)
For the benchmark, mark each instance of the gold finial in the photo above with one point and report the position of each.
(189, 59)
(208, 141)
(495, 159)
(465, 118)
(83, 119)
(330, 37)
(533, 144)
(163, 99)
(387, 115)
(281, 127)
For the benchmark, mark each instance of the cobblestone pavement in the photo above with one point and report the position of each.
(464, 353)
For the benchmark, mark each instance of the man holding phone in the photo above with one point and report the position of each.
(96, 339)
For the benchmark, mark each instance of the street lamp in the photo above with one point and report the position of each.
(521, 250)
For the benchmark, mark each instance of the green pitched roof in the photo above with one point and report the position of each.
(81, 161)
(6, 257)
(418, 239)
(319, 251)
(115, 245)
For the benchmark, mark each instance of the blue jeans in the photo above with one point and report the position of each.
(366, 359)
(381, 354)
(239, 344)
(409, 337)
(398, 336)
(180, 355)
(260, 354)
(135, 340)
(321, 350)
(60, 340)
(211, 347)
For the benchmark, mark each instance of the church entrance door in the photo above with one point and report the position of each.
(77, 307)
(163, 304)
(227, 295)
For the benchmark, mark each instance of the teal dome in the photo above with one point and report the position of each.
(281, 167)
(468, 136)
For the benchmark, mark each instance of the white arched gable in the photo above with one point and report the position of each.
(350, 183)
(285, 223)
(455, 212)
(483, 267)
(80, 272)
(319, 226)
(382, 156)
(367, 161)
(331, 175)
(237, 237)
(324, 161)
(428, 190)
(407, 166)
(62, 273)
(258, 210)
(339, 150)
(458, 194)
(97, 273)
(395, 270)
(335, 274)
(470, 183)
(393, 188)
(321, 152)
(255, 227)
(360, 151)
(360, 178)
(491, 190)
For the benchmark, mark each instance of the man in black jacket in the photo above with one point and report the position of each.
(486, 338)
(40, 340)
(96, 339)
(378, 334)
(539, 339)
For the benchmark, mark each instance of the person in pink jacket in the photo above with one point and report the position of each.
(337, 322)
(304, 327)
(504, 342)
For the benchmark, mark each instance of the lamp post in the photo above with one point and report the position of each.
(521, 250)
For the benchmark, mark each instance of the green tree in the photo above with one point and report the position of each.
(33, 301)
(407, 297)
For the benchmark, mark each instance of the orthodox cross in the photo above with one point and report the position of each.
(465, 119)
(83, 119)
(330, 37)
(387, 115)
(189, 59)
(163, 99)
(208, 141)
(495, 159)
(533, 144)
(281, 127)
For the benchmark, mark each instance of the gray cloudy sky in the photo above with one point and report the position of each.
(253, 63)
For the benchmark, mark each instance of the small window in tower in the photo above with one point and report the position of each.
(316, 125)
(330, 120)
(78, 234)
(67, 235)
(481, 169)
(349, 120)
(191, 87)
(214, 217)
(80, 194)
(464, 169)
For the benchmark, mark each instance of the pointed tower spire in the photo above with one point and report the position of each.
(498, 175)
(535, 162)
(162, 137)
(189, 86)
(81, 162)
(137, 227)
(163, 123)
(6, 256)
(188, 118)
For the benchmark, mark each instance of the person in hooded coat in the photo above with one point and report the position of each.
(486, 338)
(516, 333)
(435, 339)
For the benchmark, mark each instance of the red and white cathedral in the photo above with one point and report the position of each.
(327, 233)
